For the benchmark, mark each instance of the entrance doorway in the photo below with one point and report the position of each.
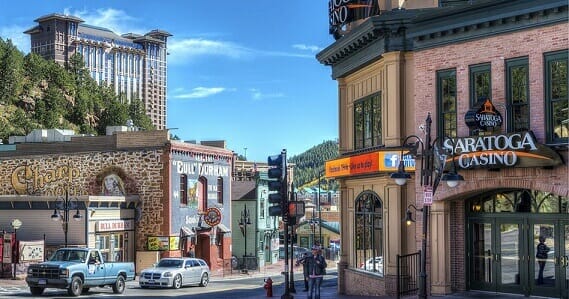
(504, 229)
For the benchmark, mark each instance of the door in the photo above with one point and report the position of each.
(481, 255)
(509, 256)
(505, 255)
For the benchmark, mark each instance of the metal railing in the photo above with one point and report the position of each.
(408, 273)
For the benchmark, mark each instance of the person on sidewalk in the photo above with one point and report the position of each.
(316, 265)
(304, 270)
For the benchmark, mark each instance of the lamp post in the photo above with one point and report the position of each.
(245, 221)
(16, 224)
(432, 166)
(61, 211)
(319, 210)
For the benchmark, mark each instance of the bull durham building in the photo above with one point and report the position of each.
(134, 65)
(488, 80)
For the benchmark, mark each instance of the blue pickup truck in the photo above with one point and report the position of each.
(77, 270)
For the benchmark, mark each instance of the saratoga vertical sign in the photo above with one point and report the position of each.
(342, 12)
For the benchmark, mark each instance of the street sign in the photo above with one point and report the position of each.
(428, 196)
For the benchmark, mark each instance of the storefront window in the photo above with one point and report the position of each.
(367, 122)
(446, 98)
(369, 233)
(556, 96)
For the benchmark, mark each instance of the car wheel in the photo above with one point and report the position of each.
(205, 280)
(36, 291)
(75, 287)
(177, 283)
(119, 285)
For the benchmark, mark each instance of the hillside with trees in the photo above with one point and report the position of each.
(310, 164)
(40, 94)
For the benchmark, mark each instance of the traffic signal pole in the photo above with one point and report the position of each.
(279, 172)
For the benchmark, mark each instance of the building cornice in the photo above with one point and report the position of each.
(417, 29)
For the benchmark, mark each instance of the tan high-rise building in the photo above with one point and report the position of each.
(133, 64)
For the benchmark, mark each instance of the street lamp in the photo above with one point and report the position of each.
(243, 223)
(432, 166)
(16, 224)
(61, 212)
(319, 210)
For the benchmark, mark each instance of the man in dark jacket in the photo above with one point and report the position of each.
(316, 265)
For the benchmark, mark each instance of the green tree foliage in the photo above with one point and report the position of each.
(36, 93)
(310, 165)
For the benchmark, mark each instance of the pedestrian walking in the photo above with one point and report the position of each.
(541, 255)
(316, 266)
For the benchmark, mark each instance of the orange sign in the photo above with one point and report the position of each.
(380, 161)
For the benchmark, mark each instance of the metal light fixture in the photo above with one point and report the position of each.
(62, 209)
(430, 176)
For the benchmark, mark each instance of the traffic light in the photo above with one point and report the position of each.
(277, 171)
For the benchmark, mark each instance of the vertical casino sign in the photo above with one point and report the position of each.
(343, 12)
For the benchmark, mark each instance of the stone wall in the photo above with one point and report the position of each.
(47, 175)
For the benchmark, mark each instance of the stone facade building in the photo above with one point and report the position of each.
(492, 77)
(137, 196)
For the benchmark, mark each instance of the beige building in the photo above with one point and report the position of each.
(396, 68)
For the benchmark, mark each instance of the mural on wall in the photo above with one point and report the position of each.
(192, 193)
(113, 185)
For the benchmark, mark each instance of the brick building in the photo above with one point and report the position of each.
(492, 75)
(138, 196)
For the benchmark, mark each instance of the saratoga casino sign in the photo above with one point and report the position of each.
(501, 151)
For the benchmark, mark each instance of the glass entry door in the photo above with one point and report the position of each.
(528, 255)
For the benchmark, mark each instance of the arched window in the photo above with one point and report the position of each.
(369, 233)
(202, 194)
(220, 190)
(519, 201)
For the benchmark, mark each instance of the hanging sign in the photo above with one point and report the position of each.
(428, 196)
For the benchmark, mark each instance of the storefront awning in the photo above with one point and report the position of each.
(187, 232)
(223, 229)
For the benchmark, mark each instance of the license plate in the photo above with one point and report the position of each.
(42, 281)
(151, 281)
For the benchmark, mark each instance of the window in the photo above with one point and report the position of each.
(183, 189)
(220, 190)
(202, 205)
(556, 97)
(262, 209)
(480, 83)
(369, 233)
(517, 94)
(367, 122)
(446, 103)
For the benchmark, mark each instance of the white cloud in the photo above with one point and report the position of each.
(199, 92)
(116, 20)
(303, 47)
(258, 95)
(16, 35)
(186, 49)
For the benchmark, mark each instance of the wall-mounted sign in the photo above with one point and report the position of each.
(485, 118)
(342, 12)
(384, 161)
(500, 151)
(212, 216)
(156, 243)
(114, 225)
(27, 178)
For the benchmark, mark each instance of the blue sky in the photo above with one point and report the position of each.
(240, 71)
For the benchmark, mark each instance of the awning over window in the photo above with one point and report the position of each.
(223, 229)
(187, 232)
